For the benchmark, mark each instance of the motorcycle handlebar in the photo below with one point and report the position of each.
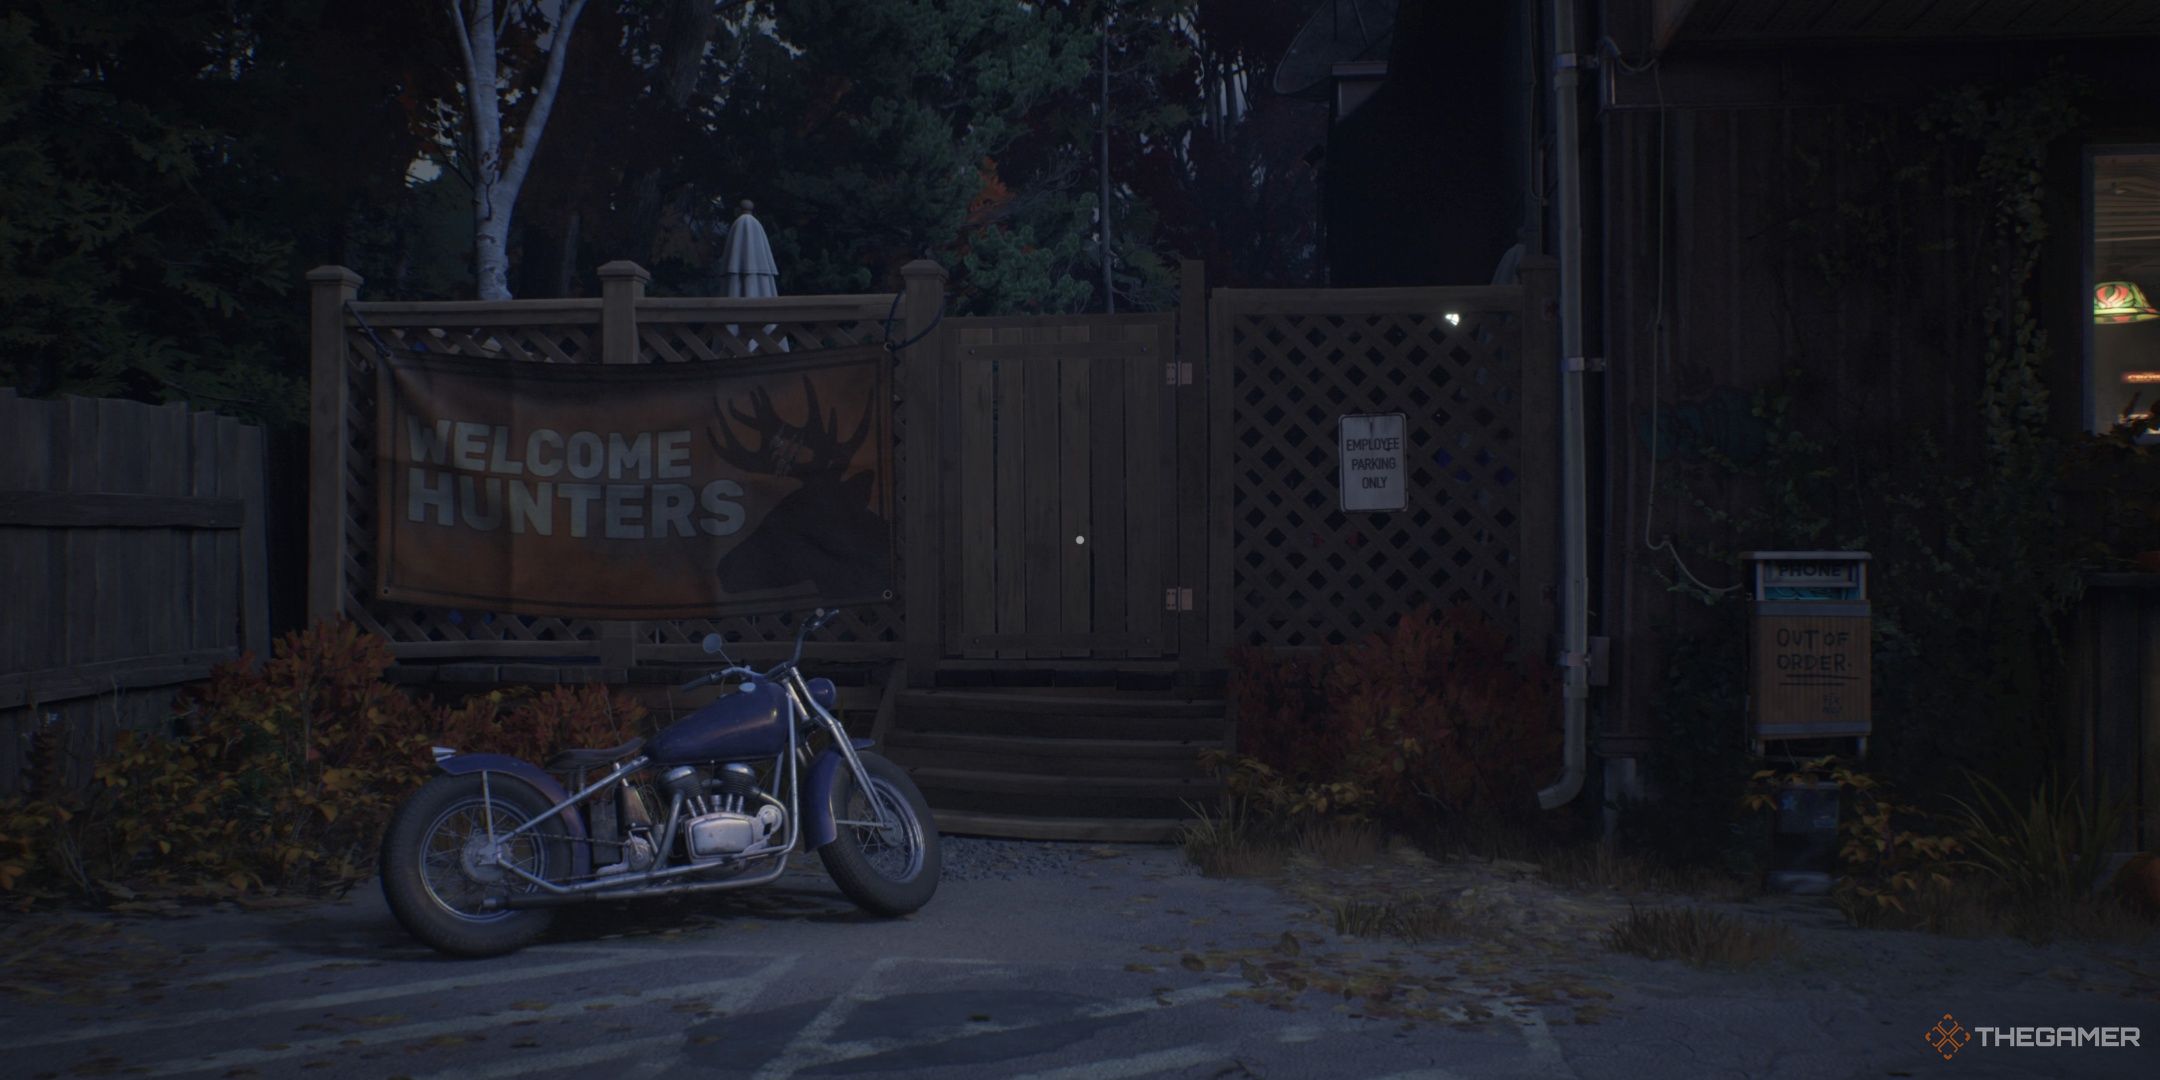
(713, 677)
(811, 624)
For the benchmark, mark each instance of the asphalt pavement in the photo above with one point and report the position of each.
(1083, 962)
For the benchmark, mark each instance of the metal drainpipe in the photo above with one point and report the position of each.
(1575, 598)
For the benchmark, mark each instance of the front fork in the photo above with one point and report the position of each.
(800, 692)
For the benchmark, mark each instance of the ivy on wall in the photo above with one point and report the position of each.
(1974, 560)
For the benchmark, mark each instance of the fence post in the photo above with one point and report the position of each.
(922, 382)
(1195, 471)
(330, 288)
(622, 285)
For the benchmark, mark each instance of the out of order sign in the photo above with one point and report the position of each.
(1373, 473)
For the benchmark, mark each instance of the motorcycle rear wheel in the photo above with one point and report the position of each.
(435, 881)
(891, 871)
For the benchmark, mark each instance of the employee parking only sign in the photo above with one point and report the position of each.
(1373, 473)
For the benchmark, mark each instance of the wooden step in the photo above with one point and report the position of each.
(1037, 795)
(1061, 703)
(1065, 757)
(1022, 827)
(1198, 789)
(1060, 718)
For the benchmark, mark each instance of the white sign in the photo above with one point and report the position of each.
(1374, 476)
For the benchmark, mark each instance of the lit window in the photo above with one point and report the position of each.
(2123, 384)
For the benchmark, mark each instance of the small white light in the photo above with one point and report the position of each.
(1079, 539)
(1453, 319)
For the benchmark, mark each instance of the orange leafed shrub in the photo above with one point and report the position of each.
(1429, 717)
(276, 780)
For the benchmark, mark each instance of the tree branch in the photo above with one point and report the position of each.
(455, 9)
(536, 121)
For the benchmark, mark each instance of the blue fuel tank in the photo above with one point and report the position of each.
(741, 726)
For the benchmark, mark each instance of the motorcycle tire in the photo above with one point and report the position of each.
(436, 899)
(864, 861)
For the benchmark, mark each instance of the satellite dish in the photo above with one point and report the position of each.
(1339, 32)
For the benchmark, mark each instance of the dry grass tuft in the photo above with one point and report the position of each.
(1415, 921)
(1228, 844)
(2105, 917)
(1340, 843)
(1698, 937)
(1597, 867)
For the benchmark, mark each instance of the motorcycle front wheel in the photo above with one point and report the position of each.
(889, 871)
(436, 873)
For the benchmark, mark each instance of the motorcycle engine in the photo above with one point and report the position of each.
(722, 822)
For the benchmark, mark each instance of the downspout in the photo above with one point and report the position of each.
(1575, 577)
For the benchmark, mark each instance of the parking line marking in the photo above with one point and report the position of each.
(478, 977)
(807, 1047)
(1544, 1049)
(1138, 1065)
(244, 974)
(810, 1049)
(583, 1057)
(730, 993)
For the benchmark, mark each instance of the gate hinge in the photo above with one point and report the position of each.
(1177, 373)
(1177, 599)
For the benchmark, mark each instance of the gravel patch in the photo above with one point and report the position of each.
(975, 858)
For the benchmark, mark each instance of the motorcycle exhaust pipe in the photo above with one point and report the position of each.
(524, 901)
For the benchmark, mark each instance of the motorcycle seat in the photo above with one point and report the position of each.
(573, 760)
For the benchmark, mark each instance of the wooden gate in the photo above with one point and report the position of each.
(1067, 487)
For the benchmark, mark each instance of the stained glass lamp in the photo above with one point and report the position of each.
(2121, 302)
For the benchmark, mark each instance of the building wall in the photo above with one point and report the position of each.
(1805, 229)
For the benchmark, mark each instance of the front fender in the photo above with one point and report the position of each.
(549, 789)
(818, 792)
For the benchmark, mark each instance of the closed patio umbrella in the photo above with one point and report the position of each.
(747, 264)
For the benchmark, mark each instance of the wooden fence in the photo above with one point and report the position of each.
(1138, 491)
(2114, 698)
(1472, 370)
(623, 326)
(132, 552)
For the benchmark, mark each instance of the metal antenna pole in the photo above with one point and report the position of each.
(1102, 212)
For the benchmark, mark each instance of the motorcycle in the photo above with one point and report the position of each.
(476, 862)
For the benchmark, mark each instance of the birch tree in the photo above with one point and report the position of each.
(499, 170)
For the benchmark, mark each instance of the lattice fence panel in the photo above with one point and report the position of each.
(1303, 571)
(565, 343)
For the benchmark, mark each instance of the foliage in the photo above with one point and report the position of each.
(1896, 861)
(1976, 557)
(1428, 720)
(278, 780)
(1699, 937)
(167, 174)
(1699, 770)
(2044, 856)
(1410, 920)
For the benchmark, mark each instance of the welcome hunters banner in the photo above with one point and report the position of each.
(634, 491)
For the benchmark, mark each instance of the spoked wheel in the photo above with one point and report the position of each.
(439, 869)
(891, 870)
